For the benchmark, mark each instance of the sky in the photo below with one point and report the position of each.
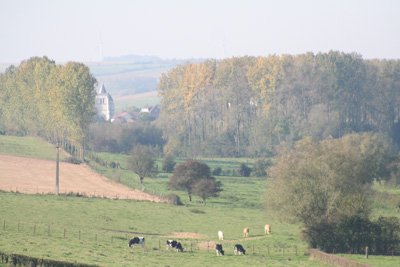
(89, 30)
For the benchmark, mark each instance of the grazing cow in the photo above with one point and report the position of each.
(239, 250)
(179, 247)
(246, 232)
(220, 235)
(267, 229)
(219, 250)
(174, 244)
(136, 240)
(171, 244)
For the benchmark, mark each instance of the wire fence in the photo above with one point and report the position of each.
(153, 242)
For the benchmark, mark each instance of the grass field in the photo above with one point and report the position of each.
(27, 147)
(96, 230)
(138, 100)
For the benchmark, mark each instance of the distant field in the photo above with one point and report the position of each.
(137, 100)
(112, 68)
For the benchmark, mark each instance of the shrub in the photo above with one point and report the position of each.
(73, 160)
(260, 167)
(217, 171)
(173, 199)
(244, 170)
(112, 164)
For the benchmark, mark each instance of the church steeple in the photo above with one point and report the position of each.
(102, 89)
(104, 103)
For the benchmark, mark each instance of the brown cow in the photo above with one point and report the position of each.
(246, 232)
(267, 229)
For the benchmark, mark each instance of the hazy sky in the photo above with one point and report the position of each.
(71, 30)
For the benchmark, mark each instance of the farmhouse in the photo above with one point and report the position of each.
(153, 111)
(104, 103)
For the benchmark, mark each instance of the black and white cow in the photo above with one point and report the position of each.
(179, 247)
(171, 244)
(219, 250)
(175, 245)
(136, 240)
(239, 250)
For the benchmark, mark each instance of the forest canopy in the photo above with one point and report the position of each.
(247, 106)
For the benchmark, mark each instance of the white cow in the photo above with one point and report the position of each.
(220, 235)
(246, 232)
(267, 229)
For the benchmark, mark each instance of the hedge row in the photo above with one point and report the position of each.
(23, 260)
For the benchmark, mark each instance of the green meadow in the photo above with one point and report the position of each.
(28, 147)
(96, 230)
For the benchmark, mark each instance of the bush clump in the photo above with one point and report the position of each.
(73, 160)
(173, 199)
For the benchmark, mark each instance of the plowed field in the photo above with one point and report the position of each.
(37, 176)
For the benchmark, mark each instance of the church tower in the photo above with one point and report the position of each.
(104, 103)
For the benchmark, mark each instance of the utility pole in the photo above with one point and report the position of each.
(57, 168)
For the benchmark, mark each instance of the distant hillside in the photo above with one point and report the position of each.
(133, 58)
(133, 74)
(124, 78)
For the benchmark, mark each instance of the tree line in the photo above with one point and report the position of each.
(247, 106)
(326, 186)
(48, 100)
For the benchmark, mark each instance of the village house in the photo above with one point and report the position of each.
(153, 111)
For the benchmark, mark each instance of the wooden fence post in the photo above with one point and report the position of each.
(366, 252)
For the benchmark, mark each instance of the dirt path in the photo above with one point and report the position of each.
(32, 176)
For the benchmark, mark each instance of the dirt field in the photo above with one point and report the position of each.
(36, 176)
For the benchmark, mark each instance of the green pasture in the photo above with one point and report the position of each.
(237, 191)
(377, 261)
(31, 147)
(96, 230)
(121, 105)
